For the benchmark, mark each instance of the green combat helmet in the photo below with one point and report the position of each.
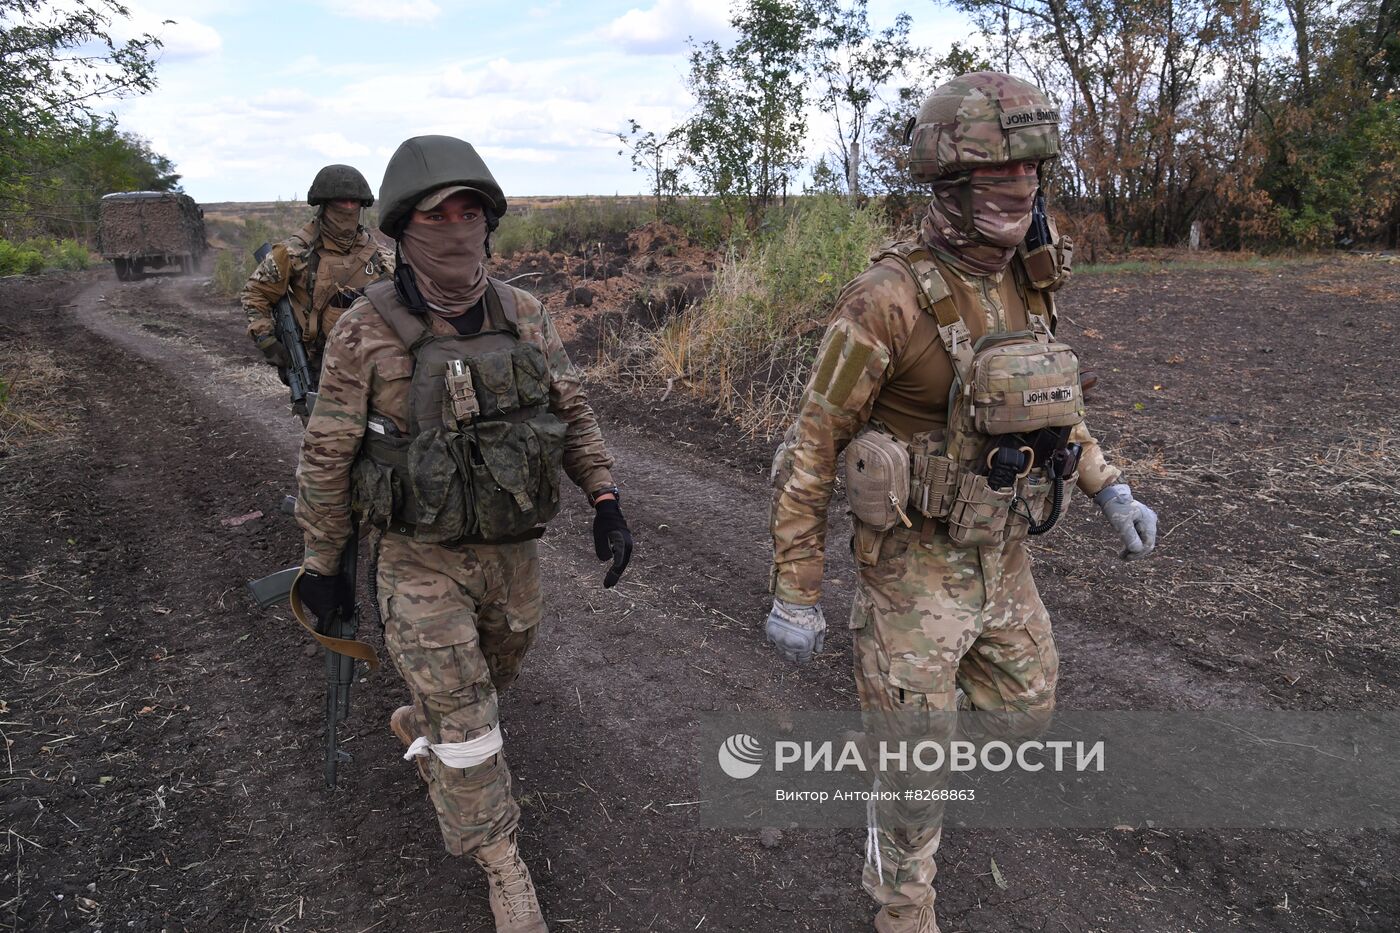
(339, 181)
(425, 163)
(981, 119)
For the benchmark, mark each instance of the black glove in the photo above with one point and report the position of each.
(611, 539)
(326, 597)
(274, 352)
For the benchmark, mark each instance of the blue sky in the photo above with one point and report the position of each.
(254, 97)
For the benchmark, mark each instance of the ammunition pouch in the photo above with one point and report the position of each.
(1050, 265)
(935, 476)
(979, 513)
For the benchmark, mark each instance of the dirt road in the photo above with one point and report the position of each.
(162, 736)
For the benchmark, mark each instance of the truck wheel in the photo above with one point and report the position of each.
(136, 269)
(123, 272)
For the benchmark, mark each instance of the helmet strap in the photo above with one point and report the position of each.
(406, 284)
(965, 204)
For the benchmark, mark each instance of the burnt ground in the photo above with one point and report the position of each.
(162, 736)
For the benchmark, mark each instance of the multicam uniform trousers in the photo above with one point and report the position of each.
(457, 623)
(930, 618)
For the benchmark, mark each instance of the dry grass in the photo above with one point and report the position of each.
(745, 347)
(34, 408)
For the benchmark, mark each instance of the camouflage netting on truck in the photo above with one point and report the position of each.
(150, 223)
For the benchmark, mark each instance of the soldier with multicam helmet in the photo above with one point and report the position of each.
(447, 409)
(322, 268)
(962, 420)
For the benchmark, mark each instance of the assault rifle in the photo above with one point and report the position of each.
(338, 637)
(299, 376)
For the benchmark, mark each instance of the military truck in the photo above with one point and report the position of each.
(144, 230)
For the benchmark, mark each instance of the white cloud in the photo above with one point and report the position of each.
(666, 25)
(495, 77)
(182, 37)
(334, 146)
(402, 11)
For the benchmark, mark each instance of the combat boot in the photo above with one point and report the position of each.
(910, 918)
(403, 723)
(512, 893)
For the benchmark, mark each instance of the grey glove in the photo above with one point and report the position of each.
(796, 631)
(1135, 523)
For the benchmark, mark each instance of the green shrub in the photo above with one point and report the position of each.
(231, 271)
(746, 345)
(63, 255)
(19, 259)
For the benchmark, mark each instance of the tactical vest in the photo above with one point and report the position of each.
(1014, 399)
(480, 462)
(330, 280)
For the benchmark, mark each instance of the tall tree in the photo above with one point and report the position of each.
(854, 62)
(746, 134)
(58, 65)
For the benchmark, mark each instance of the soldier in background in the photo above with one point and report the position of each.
(322, 268)
(447, 408)
(945, 486)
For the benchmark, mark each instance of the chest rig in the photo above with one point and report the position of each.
(331, 280)
(481, 459)
(999, 468)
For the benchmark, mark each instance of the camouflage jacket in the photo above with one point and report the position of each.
(367, 369)
(881, 358)
(286, 269)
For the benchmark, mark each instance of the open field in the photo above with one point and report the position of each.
(161, 766)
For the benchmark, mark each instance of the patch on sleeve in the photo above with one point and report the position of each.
(842, 364)
(1016, 117)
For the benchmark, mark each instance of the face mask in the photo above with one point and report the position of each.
(1001, 215)
(447, 262)
(339, 226)
(1001, 208)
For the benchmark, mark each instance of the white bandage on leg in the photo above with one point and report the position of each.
(872, 838)
(467, 754)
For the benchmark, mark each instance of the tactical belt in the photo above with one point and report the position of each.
(407, 529)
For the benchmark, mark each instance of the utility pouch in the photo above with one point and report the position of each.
(877, 479)
(372, 494)
(1035, 494)
(979, 513)
(442, 498)
(935, 475)
(460, 406)
(865, 544)
(1042, 266)
(1022, 385)
(514, 469)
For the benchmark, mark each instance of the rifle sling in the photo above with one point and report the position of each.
(346, 646)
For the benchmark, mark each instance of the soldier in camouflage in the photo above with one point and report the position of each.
(322, 268)
(447, 408)
(946, 614)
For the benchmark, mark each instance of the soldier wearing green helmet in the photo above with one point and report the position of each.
(961, 418)
(447, 409)
(321, 268)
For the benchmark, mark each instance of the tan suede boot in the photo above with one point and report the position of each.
(403, 724)
(907, 919)
(513, 901)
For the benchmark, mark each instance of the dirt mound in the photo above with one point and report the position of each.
(657, 236)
